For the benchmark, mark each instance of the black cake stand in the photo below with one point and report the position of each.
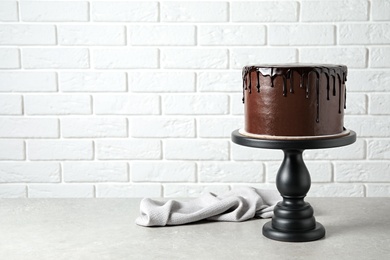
(293, 219)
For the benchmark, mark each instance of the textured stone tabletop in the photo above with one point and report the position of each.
(357, 228)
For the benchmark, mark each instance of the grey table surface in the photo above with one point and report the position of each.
(356, 228)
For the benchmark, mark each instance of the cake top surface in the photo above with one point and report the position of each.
(297, 65)
(302, 68)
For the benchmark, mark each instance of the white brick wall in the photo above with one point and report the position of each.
(27, 34)
(95, 172)
(202, 104)
(92, 81)
(160, 35)
(93, 127)
(336, 11)
(9, 58)
(60, 191)
(380, 10)
(193, 149)
(54, 11)
(190, 11)
(163, 127)
(231, 35)
(126, 11)
(357, 34)
(59, 150)
(239, 57)
(11, 104)
(57, 104)
(139, 98)
(15, 149)
(55, 58)
(267, 11)
(29, 127)
(301, 34)
(380, 57)
(26, 81)
(30, 172)
(126, 149)
(175, 171)
(125, 58)
(180, 58)
(93, 35)
(9, 11)
(353, 57)
(181, 81)
(125, 104)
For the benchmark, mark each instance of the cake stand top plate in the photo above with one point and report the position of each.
(306, 143)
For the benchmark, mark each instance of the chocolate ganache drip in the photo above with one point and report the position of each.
(333, 74)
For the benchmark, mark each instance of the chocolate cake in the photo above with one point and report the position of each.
(287, 100)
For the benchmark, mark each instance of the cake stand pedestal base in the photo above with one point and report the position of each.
(291, 236)
(293, 219)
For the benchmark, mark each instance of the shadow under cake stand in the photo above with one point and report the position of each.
(293, 219)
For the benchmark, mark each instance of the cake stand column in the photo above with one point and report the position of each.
(293, 217)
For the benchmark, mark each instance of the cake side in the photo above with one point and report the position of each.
(294, 99)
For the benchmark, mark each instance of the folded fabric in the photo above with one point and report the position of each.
(238, 204)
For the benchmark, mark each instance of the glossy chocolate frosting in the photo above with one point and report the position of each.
(294, 99)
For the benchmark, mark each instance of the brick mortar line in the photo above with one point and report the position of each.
(201, 23)
(192, 47)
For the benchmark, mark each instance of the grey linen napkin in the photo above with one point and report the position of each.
(238, 204)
